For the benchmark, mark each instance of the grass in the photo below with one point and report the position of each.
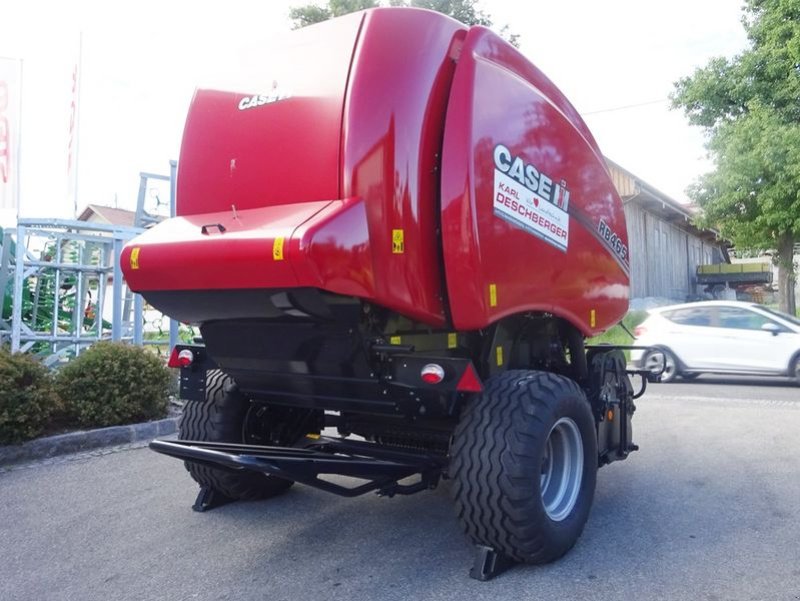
(617, 335)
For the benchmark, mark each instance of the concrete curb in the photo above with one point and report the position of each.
(74, 442)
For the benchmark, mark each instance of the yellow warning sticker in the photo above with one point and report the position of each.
(498, 351)
(452, 340)
(277, 249)
(492, 295)
(395, 340)
(592, 318)
(135, 257)
(398, 244)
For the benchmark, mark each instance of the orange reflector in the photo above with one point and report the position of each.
(610, 415)
(469, 382)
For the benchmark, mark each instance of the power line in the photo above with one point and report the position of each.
(627, 106)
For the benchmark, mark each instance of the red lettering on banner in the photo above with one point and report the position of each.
(525, 213)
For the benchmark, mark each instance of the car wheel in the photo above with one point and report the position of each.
(653, 362)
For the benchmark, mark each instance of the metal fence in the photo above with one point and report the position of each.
(62, 288)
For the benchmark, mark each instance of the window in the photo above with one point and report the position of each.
(741, 319)
(782, 315)
(690, 317)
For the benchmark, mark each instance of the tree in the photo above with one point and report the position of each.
(313, 13)
(461, 10)
(465, 11)
(749, 107)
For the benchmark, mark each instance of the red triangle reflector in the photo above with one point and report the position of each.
(469, 382)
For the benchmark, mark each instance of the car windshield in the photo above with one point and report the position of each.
(784, 316)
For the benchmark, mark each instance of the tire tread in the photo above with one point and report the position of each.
(492, 452)
(219, 419)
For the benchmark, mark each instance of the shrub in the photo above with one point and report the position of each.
(112, 383)
(27, 399)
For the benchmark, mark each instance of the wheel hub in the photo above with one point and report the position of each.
(562, 469)
(661, 363)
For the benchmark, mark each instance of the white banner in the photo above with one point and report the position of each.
(10, 121)
(531, 212)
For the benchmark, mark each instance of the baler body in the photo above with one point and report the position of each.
(399, 159)
(401, 229)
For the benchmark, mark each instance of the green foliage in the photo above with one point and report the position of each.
(617, 334)
(27, 399)
(313, 13)
(113, 383)
(749, 107)
(466, 11)
(753, 196)
(765, 75)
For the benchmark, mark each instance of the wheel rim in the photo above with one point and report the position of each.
(654, 364)
(562, 469)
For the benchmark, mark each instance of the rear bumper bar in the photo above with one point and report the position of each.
(380, 467)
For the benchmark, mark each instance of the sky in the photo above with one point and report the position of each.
(615, 60)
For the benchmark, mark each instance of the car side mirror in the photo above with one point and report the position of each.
(771, 327)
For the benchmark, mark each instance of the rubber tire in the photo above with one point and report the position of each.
(220, 418)
(794, 371)
(667, 377)
(497, 452)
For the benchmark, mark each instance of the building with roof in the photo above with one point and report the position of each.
(665, 247)
(107, 215)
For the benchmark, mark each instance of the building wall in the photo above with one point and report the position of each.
(664, 257)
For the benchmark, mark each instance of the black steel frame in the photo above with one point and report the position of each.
(382, 468)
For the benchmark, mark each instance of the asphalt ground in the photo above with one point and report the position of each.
(709, 509)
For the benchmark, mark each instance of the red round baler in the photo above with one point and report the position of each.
(397, 226)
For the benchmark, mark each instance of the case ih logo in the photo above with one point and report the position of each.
(251, 102)
(5, 136)
(530, 177)
(528, 199)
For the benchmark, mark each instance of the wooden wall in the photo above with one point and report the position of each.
(664, 257)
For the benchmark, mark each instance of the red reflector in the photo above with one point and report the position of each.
(639, 331)
(469, 382)
(432, 373)
(182, 358)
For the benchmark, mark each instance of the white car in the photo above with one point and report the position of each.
(726, 337)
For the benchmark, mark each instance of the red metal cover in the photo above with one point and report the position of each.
(393, 123)
(333, 168)
(530, 217)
